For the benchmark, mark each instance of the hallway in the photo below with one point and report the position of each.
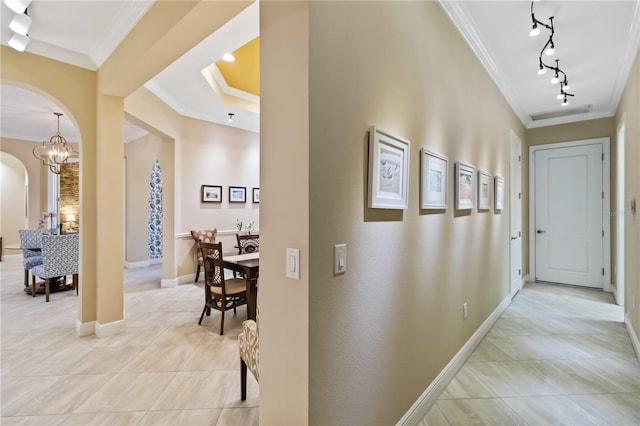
(558, 355)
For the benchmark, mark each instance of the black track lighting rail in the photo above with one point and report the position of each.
(548, 49)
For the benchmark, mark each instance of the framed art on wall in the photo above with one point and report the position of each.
(256, 195)
(211, 194)
(388, 171)
(484, 185)
(498, 193)
(237, 194)
(433, 180)
(465, 183)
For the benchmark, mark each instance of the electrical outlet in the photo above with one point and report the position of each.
(464, 310)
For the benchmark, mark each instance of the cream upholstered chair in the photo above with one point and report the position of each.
(60, 256)
(249, 346)
(219, 293)
(207, 236)
(30, 258)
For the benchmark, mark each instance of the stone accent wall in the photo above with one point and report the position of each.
(70, 194)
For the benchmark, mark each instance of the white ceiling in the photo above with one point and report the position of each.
(596, 42)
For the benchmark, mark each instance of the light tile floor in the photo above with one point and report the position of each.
(164, 370)
(558, 355)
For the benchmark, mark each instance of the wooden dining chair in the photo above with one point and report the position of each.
(248, 243)
(207, 236)
(219, 293)
(60, 256)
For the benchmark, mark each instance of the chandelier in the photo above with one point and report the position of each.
(548, 49)
(55, 152)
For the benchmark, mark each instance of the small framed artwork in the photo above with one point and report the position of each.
(256, 195)
(433, 179)
(465, 183)
(484, 184)
(237, 194)
(211, 194)
(498, 193)
(388, 171)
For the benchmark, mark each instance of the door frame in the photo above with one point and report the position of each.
(514, 138)
(620, 216)
(606, 204)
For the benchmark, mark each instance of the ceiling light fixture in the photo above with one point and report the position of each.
(20, 23)
(56, 152)
(19, 42)
(549, 49)
(18, 6)
(228, 57)
(231, 116)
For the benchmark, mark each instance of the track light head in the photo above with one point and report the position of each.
(535, 30)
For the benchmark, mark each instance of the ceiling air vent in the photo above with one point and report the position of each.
(561, 112)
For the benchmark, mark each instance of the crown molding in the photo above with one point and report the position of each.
(60, 54)
(630, 52)
(120, 26)
(570, 119)
(467, 28)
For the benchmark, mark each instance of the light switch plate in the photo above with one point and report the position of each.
(293, 263)
(339, 258)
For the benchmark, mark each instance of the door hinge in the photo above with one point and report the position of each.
(519, 273)
(519, 234)
(603, 232)
(603, 156)
(519, 158)
(603, 195)
(602, 271)
(519, 195)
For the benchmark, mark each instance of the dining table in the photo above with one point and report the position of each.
(248, 265)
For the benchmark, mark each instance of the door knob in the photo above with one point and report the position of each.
(540, 231)
(514, 238)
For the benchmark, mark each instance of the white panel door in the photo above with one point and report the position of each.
(568, 215)
(515, 208)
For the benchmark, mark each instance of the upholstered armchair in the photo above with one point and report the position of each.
(206, 236)
(60, 256)
(30, 239)
(249, 346)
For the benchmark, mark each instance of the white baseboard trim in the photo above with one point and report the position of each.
(142, 263)
(632, 334)
(169, 282)
(525, 280)
(136, 265)
(175, 282)
(109, 329)
(85, 328)
(421, 407)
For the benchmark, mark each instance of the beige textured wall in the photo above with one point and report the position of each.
(284, 213)
(630, 107)
(13, 177)
(141, 155)
(590, 129)
(212, 154)
(380, 333)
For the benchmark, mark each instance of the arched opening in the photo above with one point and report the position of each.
(27, 120)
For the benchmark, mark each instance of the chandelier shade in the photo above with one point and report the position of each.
(55, 152)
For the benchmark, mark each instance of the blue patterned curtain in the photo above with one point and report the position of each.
(155, 212)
